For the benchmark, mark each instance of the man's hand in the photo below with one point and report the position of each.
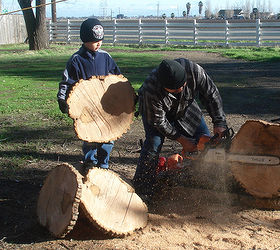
(63, 105)
(187, 145)
(219, 131)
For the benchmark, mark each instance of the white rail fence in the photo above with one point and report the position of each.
(176, 32)
(156, 31)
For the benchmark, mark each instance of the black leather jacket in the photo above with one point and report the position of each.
(162, 108)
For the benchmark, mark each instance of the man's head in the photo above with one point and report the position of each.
(92, 33)
(172, 75)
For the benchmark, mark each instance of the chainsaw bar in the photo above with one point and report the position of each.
(219, 155)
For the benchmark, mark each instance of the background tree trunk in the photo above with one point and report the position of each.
(53, 11)
(29, 19)
(35, 26)
(41, 38)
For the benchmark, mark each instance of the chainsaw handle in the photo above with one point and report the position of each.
(227, 134)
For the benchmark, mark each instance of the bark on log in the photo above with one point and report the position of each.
(109, 203)
(59, 199)
(258, 138)
(102, 108)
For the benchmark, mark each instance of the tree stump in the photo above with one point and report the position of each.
(109, 203)
(257, 138)
(102, 108)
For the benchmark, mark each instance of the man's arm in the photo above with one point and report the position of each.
(211, 99)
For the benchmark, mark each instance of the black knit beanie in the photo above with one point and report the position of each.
(171, 74)
(91, 30)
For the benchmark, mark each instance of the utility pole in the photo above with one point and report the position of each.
(53, 11)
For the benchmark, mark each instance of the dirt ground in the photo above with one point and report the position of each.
(182, 217)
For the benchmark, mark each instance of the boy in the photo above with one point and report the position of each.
(89, 61)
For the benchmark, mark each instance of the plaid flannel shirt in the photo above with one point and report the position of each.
(162, 109)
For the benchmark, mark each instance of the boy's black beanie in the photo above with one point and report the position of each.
(91, 30)
(171, 74)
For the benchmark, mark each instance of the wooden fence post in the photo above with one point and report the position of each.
(114, 32)
(258, 32)
(140, 38)
(68, 31)
(226, 33)
(50, 31)
(166, 32)
(194, 32)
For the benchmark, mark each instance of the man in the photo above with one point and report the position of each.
(169, 109)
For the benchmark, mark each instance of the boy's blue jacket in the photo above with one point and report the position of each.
(84, 64)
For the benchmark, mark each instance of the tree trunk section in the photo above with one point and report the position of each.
(102, 108)
(109, 204)
(258, 138)
(59, 200)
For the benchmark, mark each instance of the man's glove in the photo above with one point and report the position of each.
(63, 105)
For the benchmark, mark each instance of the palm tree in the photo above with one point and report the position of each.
(172, 15)
(200, 5)
(184, 13)
(188, 5)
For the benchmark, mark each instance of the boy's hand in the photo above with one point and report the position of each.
(63, 105)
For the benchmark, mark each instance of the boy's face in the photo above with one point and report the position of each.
(93, 46)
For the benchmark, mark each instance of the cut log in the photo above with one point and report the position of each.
(59, 199)
(111, 204)
(257, 138)
(102, 108)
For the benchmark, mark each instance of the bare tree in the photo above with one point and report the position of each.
(208, 12)
(35, 26)
(263, 6)
(269, 6)
(247, 5)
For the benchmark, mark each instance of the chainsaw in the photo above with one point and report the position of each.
(213, 150)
